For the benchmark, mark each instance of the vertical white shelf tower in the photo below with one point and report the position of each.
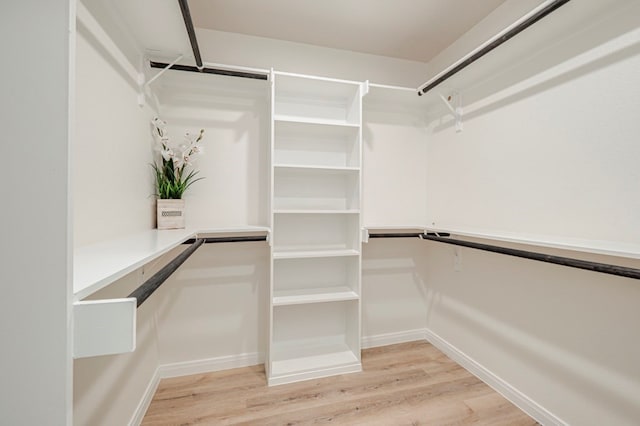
(316, 154)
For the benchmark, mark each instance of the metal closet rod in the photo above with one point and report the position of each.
(213, 240)
(206, 70)
(493, 44)
(604, 268)
(147, 288)
(188, 23)
(396, 235)
(404, 234)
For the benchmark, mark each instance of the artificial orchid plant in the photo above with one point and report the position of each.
(171, 174)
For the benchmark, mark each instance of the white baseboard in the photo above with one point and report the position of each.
(209, 365)
(520, 400)
(144, 403)
(187, 368)
(392, 338)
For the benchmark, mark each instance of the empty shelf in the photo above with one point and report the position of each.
(292, 254)
(314, 295)
(313, 362)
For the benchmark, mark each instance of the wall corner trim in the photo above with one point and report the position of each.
(393, 338)
(145, 401)
(208, 365)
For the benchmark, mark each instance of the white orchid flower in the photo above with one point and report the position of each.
(167, 154)
(178, 162)
(160, 127)
(180, 153)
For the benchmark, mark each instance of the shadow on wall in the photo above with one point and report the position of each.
(235, 116)
(564, 53)
(412, 119)
(216, 304)
(540, 326)
(393, 286)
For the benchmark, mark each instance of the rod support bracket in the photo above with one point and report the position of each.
(453, 102)
(364, 88)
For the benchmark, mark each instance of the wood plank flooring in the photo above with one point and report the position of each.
(405, 384)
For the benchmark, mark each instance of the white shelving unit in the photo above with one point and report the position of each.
(315, 216)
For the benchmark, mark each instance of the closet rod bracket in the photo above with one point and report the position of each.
(162, 71)
(364, 88)
(145, 89)
(453, 102)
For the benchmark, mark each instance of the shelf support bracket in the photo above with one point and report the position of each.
(364, 88)
(163, 70)
(455, 109)
(145, 89)
(365, 235)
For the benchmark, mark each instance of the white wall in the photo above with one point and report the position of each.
(112, 149)
(393, 167)
(36, 112)
(251, 51)
(394, 290)
(565, 338)
(215, 307)
(234, 114)
(553, 156)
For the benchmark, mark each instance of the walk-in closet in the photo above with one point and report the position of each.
(398, 212)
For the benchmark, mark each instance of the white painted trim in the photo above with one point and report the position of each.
(316, 77)
(208, 365)
(393, 338)
(147, 396)
(520, 400)
(314, 374)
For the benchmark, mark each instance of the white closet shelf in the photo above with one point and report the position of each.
(316, 211)
(609, 248)
(420, 228)
(98, 265)
(252, 230)
(313, 295)
(292, 254)
(309, 120)
(312, 361)
(315, 167)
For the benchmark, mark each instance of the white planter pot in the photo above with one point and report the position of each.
(170, 214)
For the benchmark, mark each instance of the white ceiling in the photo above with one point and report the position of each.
(408, 29)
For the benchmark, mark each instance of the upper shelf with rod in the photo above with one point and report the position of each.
(96, 266)
(538, 45)
(503, 36)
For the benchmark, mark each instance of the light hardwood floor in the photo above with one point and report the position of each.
(405, 384)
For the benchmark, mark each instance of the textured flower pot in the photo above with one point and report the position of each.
(170, 214)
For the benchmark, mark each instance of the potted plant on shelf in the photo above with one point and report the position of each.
(174, 174)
